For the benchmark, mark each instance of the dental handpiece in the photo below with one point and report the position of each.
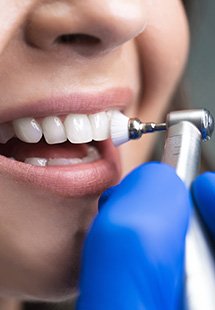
(182, 150)
(185, 131)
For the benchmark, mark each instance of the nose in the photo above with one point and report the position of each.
(85, 26)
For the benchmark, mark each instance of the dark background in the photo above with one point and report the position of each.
(200, 74)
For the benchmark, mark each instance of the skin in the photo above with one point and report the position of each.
(144, 46)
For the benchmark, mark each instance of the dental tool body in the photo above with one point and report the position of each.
(182, 149)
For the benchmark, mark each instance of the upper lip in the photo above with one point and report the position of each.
(79, 103)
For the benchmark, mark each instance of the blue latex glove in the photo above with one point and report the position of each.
(204, 195)
(134, 253)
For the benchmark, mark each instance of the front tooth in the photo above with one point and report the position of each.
(109, 114)
(58, 162)
(27, 129)
(6, 132)
(64, 161)
(53, 130)
(75, 161)
(34, 161)
(92, 155)
(100, 126)
(78, 128)
(93, 152)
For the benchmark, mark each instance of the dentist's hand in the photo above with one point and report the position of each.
(204, 196)
(134, 253)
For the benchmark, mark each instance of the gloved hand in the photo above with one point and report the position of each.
(204, 196)
(134, 253)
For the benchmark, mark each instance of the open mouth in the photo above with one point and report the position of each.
(55, 141)
(65, 147)
(71, 154)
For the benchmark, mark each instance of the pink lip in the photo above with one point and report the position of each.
(68, 181)
(86, 103)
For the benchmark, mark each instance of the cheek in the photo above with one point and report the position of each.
(163, 48)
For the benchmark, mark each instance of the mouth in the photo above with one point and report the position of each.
(71, 154)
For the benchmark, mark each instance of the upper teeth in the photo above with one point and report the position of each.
(77, 128)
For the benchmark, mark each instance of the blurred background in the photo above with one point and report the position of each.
(200, 73)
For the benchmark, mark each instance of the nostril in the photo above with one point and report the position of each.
(78, 39)
(71, 26)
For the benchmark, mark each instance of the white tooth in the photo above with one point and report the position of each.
(6, 132)
(75, 161)
(27, 129)
(34, 161)
(100, 126)
(53, 130)
(78, 128)
(92, 155)
(109, 114)
(64, 161)
(93, 152)
(58, 162)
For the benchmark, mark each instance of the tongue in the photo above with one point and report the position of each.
(20, 150)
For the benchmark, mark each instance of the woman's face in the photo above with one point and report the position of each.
(69, 59)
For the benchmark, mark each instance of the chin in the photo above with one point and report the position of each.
(41, 248)
(55, 278)
(48, 270)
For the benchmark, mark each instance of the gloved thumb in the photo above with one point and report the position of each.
(134, 252)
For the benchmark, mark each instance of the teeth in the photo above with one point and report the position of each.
(6, 132)
(100, 126)
(34, 161)
(64, 161)
(92, 156)
(109, 114)
(58, 162)
(53, 130)
(75, 161)
(27, 130)
(78, 128)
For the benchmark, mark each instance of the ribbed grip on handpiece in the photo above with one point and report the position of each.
(182, 151)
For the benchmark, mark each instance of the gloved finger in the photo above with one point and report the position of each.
(149, 190)
(134, 253)
(203, 190)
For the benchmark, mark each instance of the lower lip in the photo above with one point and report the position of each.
(69, 181)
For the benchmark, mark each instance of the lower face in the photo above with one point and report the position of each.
(50, 187)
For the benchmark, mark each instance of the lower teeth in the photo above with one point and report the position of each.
(34, 161)
(92, 155)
